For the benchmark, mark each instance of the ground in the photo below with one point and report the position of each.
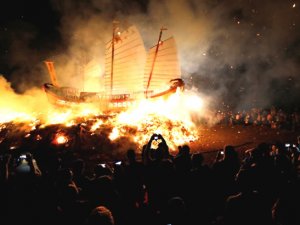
(211, 140)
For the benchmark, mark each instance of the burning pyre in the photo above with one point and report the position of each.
(86, 127)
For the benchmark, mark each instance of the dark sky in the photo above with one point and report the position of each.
(244, 52)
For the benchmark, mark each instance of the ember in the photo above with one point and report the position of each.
(60, 139)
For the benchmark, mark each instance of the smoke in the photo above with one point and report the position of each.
(243, 53)
(13, 106)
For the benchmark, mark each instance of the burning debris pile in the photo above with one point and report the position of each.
(87, 128)
(154, 99)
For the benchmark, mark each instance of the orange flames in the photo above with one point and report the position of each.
(60, 139)
(171, 117)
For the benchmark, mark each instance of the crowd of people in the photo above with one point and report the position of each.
(160, 189)
(274, 118)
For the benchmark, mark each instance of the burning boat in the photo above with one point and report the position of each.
(131, 73)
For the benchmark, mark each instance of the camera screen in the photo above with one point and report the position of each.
(22, 156)
(118, 163)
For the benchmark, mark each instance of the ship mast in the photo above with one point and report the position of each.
(154, 59)
(112, 55)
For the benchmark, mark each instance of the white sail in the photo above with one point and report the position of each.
(128, 64)
(166, 65)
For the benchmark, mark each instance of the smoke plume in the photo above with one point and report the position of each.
(244, 53)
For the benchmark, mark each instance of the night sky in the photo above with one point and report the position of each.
(245, 52)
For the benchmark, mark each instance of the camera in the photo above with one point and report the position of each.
(156, 137)
(222, 152)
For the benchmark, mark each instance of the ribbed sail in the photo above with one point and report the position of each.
(166, 65)
(128, 64)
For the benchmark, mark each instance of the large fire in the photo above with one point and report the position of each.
(171, 117)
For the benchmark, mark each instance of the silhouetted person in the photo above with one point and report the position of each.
(100, 216)
(226, 169)
(265, 177)
(103, 192)
(248, 206)
(200, 191)
(286, 208)
(79, 178)
(183, 160)
(134, 180)
(176, 212)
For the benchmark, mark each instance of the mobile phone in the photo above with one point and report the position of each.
(222, 152)
(155, 137)
(22, 157)
(103, 165)
(118, 163)
(287, 145)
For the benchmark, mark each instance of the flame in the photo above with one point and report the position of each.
(60, 139)
(172, 117)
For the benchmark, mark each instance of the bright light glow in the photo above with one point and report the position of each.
(60, 139)
(114, 134)
(96, 125)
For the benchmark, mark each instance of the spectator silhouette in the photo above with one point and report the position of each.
(183, 160)
(176, 212)
(248, 206)
(100, 216)
(134, 187)
(200, 191)
(226, 169)
(79, 178)
(286, 209)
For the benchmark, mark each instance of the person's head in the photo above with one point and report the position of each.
(131, 155)
(65, 176)
(176, 210)
(197, 159)
(159, 154)
(101, 170)
(280, 148)
(264, 149)
(69, 194)
(78, 166)
(244, 180)
(185, 150)
(229, 152)
(100, 216)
